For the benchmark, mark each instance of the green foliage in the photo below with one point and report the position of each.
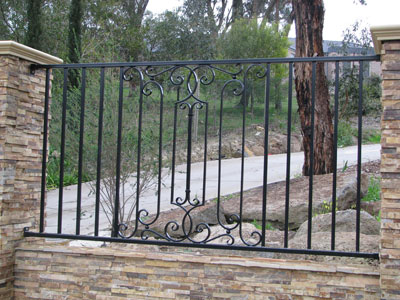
(378, 217)
(373, 92)
(248, 39)
(374, 137)
(345, 134)
(374, 190)
(167, 37)
(355, 38)
(53, 171)
(34, 34)
(268, 225)
(349, 93)
(13, 19)
(345, 166)
(74, 40)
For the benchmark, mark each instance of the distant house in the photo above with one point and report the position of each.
(335, 48)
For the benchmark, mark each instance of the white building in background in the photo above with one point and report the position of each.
(335, 48)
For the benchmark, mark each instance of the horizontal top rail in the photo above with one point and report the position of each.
(212, 62)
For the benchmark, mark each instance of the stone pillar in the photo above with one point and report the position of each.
(21, 139)
(387, 44)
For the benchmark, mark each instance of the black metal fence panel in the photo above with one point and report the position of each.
(134, 131)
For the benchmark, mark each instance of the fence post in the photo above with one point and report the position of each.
(387, 44)
(21, 138)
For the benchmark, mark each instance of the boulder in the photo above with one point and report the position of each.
(372, 207)
(277, 143)
(298, 204)
(258, 150)
(347, 196)
(345, 222)
(344, 241)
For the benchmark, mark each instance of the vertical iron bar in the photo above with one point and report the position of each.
(62, 154)
(220, 153)
(160, 151)
(118, 165)
(80, 159)
(311, 171)
(139, 150)
(99, 149)
(189, 151)
(334, 158)
(205, 155)
(265, 173)
(288, 147)
(44, 151)
(360, 100)
(242, 158)
(174, 146)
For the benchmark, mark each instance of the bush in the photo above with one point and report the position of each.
(349, 94)
(345, 134)
(374, 190)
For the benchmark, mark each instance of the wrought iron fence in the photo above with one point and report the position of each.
(154, 116)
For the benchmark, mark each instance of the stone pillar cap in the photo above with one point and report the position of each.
(384, 33)
(28, 53)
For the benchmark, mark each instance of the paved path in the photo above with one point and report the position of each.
(230, 183)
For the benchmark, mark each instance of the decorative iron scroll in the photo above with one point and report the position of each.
(188, 79)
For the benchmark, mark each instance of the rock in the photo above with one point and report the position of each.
(298, 204)
(372, 207)
(277, 143)
(247, 152)
(345, 222)
(257, 150)
(347, 196)
(201, 214)
(232, 145)
(344, 241)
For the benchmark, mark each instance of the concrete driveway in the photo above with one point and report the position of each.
(230, 183)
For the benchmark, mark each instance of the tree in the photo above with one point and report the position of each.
(166, 37)
(202, 28)
(74, 41)
(129, 20)
(309, 18)
(34, 34)
(13, 20)
(248, 39)
(357, 40)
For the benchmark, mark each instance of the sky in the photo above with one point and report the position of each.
(339, 14)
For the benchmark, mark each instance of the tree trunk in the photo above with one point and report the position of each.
(35, 30)
(309, 17)
(237, 10)
(74, 41)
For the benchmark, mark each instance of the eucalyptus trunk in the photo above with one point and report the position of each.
(309, 18)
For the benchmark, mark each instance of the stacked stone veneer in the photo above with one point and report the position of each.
(21, 123)
(390, 168)
(110, 274)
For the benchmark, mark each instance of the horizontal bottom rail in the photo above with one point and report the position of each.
(28, 233)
